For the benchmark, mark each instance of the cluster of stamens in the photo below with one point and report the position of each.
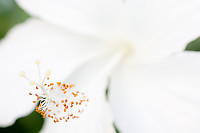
(58, 101)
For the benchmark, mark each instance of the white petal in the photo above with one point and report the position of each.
(57, 49)
(96, 118)
(162, 98)
(90, 72)
(94, 17)
(87, 78)
(162, 27)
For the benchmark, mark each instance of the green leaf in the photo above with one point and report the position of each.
(116, 129)
(29, 124)
(10, 15)
(193, 45)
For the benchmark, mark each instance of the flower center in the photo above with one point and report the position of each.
(58, 101)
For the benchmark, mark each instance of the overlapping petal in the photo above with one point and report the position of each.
(150, 26)
(158, 98)
(94, 17)
(57, 49)
(161, 27)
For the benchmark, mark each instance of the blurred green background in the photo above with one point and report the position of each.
(10, 15)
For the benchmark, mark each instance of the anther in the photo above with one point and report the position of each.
(22, 74)
(32, 82)
(59, 83)
(48, 73)
(71, 85)
(37, 62)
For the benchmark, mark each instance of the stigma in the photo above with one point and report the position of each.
(56, 100)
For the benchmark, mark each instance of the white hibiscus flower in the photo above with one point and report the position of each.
(138, 45)
(61, 52)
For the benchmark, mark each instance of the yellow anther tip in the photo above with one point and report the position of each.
(22, 74)
(32, 82)
(37, 62)
(48, 73)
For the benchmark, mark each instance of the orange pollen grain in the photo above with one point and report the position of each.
(59, 83)
(71, 85)
(66, 86)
